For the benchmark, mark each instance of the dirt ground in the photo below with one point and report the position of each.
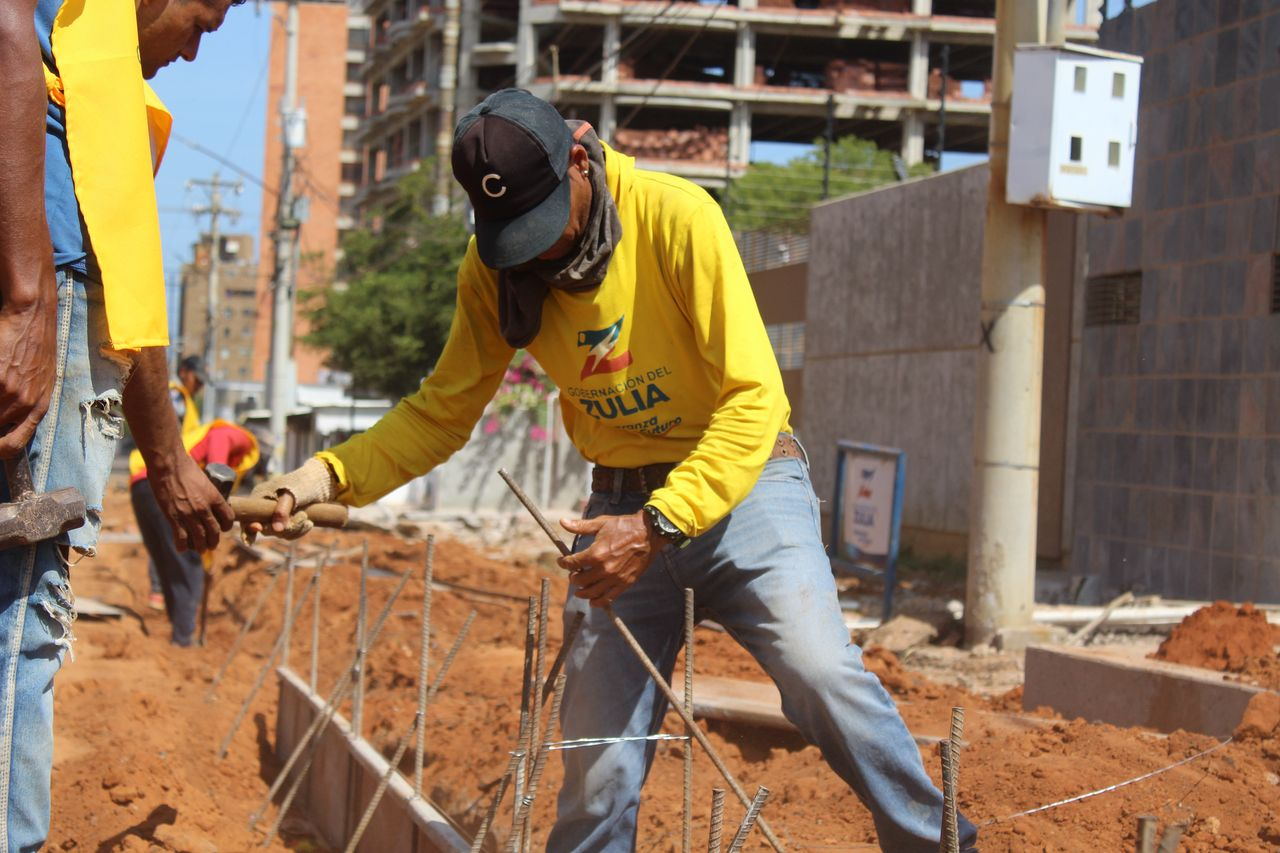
(136, 770)
(1234, 640)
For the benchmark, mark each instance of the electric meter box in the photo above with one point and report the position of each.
(1073, 129)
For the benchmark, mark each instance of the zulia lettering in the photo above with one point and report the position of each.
(628, 403)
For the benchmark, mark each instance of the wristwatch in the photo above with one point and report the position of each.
(663, 526)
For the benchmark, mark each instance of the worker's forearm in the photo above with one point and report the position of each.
(26, 261)
(150, 414)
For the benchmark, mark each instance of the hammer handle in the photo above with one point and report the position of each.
(261, 509)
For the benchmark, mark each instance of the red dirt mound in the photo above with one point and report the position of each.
(1225, 638)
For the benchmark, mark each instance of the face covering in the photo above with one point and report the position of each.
(523, 289)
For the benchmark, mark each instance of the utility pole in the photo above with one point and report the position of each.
(828, 139)
(214, 209)
(448, 98)
(1000, 590)
(281, 375)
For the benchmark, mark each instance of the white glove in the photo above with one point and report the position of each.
(309, 484)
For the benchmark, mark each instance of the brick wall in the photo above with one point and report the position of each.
(1178, 477)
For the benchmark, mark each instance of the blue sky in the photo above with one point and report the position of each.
(218, 102)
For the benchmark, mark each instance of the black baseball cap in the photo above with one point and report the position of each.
(195, 364)
(511, 155)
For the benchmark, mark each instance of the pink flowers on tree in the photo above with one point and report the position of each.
(525, 388)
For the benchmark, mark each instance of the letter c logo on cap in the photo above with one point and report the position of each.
(484, 185)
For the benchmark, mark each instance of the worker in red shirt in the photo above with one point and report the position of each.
(182, 572)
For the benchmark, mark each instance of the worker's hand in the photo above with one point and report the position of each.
(28, 345)
(623, 548)
(296, 490)
(191, 503)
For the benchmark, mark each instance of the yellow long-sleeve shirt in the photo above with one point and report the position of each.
(666, 361)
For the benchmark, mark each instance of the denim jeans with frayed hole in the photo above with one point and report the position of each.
(73, 446)
(763, 574)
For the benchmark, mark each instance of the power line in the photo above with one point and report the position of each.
(213, 155)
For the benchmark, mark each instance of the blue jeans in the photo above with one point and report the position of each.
(763, 574)
(72, 446)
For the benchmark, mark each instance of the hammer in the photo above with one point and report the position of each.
(223, 478)
(29, 517)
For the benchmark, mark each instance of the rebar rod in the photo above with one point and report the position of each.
(749, 822)
(1147, 826)
(565, 646)
(401, 748)
(362, 616)
(950, 839)
(424, 655)
(288, 603)
(257, 683)
(717, 820)
(314, 679)
(244, 631)
(505, 782)
(523, 815)
(686, 841)
(538, 684)
(643, 657)
(525, 743)
(287, 802)
(340, 691)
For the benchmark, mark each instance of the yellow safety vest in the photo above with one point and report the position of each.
(117, 130)
(191, 438)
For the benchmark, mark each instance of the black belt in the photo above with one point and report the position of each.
(649, 478)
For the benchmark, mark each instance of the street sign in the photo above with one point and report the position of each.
(867, 513)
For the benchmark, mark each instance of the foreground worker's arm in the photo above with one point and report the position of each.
(28, 295)
(187, 498)
(422, 430)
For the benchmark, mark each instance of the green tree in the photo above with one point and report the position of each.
(388, 323)
(776, 197)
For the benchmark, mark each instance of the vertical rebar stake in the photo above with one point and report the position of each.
(717, 820)
(362, 616)
(288, 604)
(423, 659)
(565, 645)
(525, 808)
(950, 841)
(482, 833)
(315, 620)
(244, 630)
(1147, 826)
(538, 686)
(526, 719)
(687, 838)
(749, 822)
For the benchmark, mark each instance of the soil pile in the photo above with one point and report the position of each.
(1227, 639)
(136, 766)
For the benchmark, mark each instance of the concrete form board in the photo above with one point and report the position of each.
(343, 778)
(1109, 686)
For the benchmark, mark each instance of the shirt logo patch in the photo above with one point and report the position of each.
(602, 342)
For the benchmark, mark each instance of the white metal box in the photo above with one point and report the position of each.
(1073, 128)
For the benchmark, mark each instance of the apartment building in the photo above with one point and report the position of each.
(236, 306)
(689, 86)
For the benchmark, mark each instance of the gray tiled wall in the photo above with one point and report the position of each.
(1178, 473)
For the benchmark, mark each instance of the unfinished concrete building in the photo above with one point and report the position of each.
(688, 87)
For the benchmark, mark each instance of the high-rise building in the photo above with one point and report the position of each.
(331, 44)
(236, 305)
(688, 87)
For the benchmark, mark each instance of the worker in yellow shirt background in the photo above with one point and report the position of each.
(83, 327)
(627, 287)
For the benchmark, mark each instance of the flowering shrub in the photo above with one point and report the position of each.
(524, 388)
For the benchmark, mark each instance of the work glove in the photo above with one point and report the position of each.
(311, 483)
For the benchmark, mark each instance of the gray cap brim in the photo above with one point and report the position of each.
(508, 243)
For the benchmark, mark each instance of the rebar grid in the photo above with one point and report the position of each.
(340, 691)
(288, 602)
(244, 631)
(362, 616)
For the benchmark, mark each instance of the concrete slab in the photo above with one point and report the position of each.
(343, 777)
(1119, 686)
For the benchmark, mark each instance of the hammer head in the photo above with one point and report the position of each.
(36, 518)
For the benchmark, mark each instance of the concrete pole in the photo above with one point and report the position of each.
(216, 211)
(448, 99)
(281, 376)
(1002, 524)
(526, 46)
